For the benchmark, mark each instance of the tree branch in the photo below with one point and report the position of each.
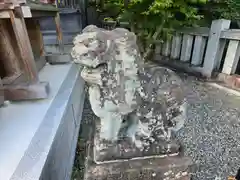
(154, 37)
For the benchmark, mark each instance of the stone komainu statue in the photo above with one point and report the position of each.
(139, 104)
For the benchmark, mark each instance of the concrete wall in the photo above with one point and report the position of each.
(61, 156)
(38, 138)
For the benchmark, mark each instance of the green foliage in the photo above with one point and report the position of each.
(155, 20)
(227, 9)
(152, 20)
(150, 14)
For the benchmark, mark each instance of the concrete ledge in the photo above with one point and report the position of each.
(38, 138)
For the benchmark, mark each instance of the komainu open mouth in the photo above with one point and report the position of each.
(93, 75)
(101, 66)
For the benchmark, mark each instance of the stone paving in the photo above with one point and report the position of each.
(211, 135)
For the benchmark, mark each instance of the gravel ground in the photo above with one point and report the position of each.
(211, 135)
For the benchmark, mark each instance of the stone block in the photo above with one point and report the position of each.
(58, 58)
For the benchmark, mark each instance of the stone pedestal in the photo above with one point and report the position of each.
(156, 167)
(167, 168)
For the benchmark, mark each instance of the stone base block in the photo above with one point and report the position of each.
(167, 168)
(26, 91)
(58, 58)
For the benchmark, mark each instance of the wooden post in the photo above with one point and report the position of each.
(210, 60)
(59, 31)
(198, 50)
(10, 67)
(24, 46)
(232, 57)
(176, 46)
(186, 48)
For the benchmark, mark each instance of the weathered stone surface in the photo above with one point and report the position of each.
(139, 105)
(168, 168)
(145, 168)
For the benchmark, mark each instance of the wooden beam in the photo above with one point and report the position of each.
(198, 31)
(14, 1)
(38, 13)
(6, 6)
(233, 34)
(36, 6)
(26, 91)
(23, 43)
(4, 14)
